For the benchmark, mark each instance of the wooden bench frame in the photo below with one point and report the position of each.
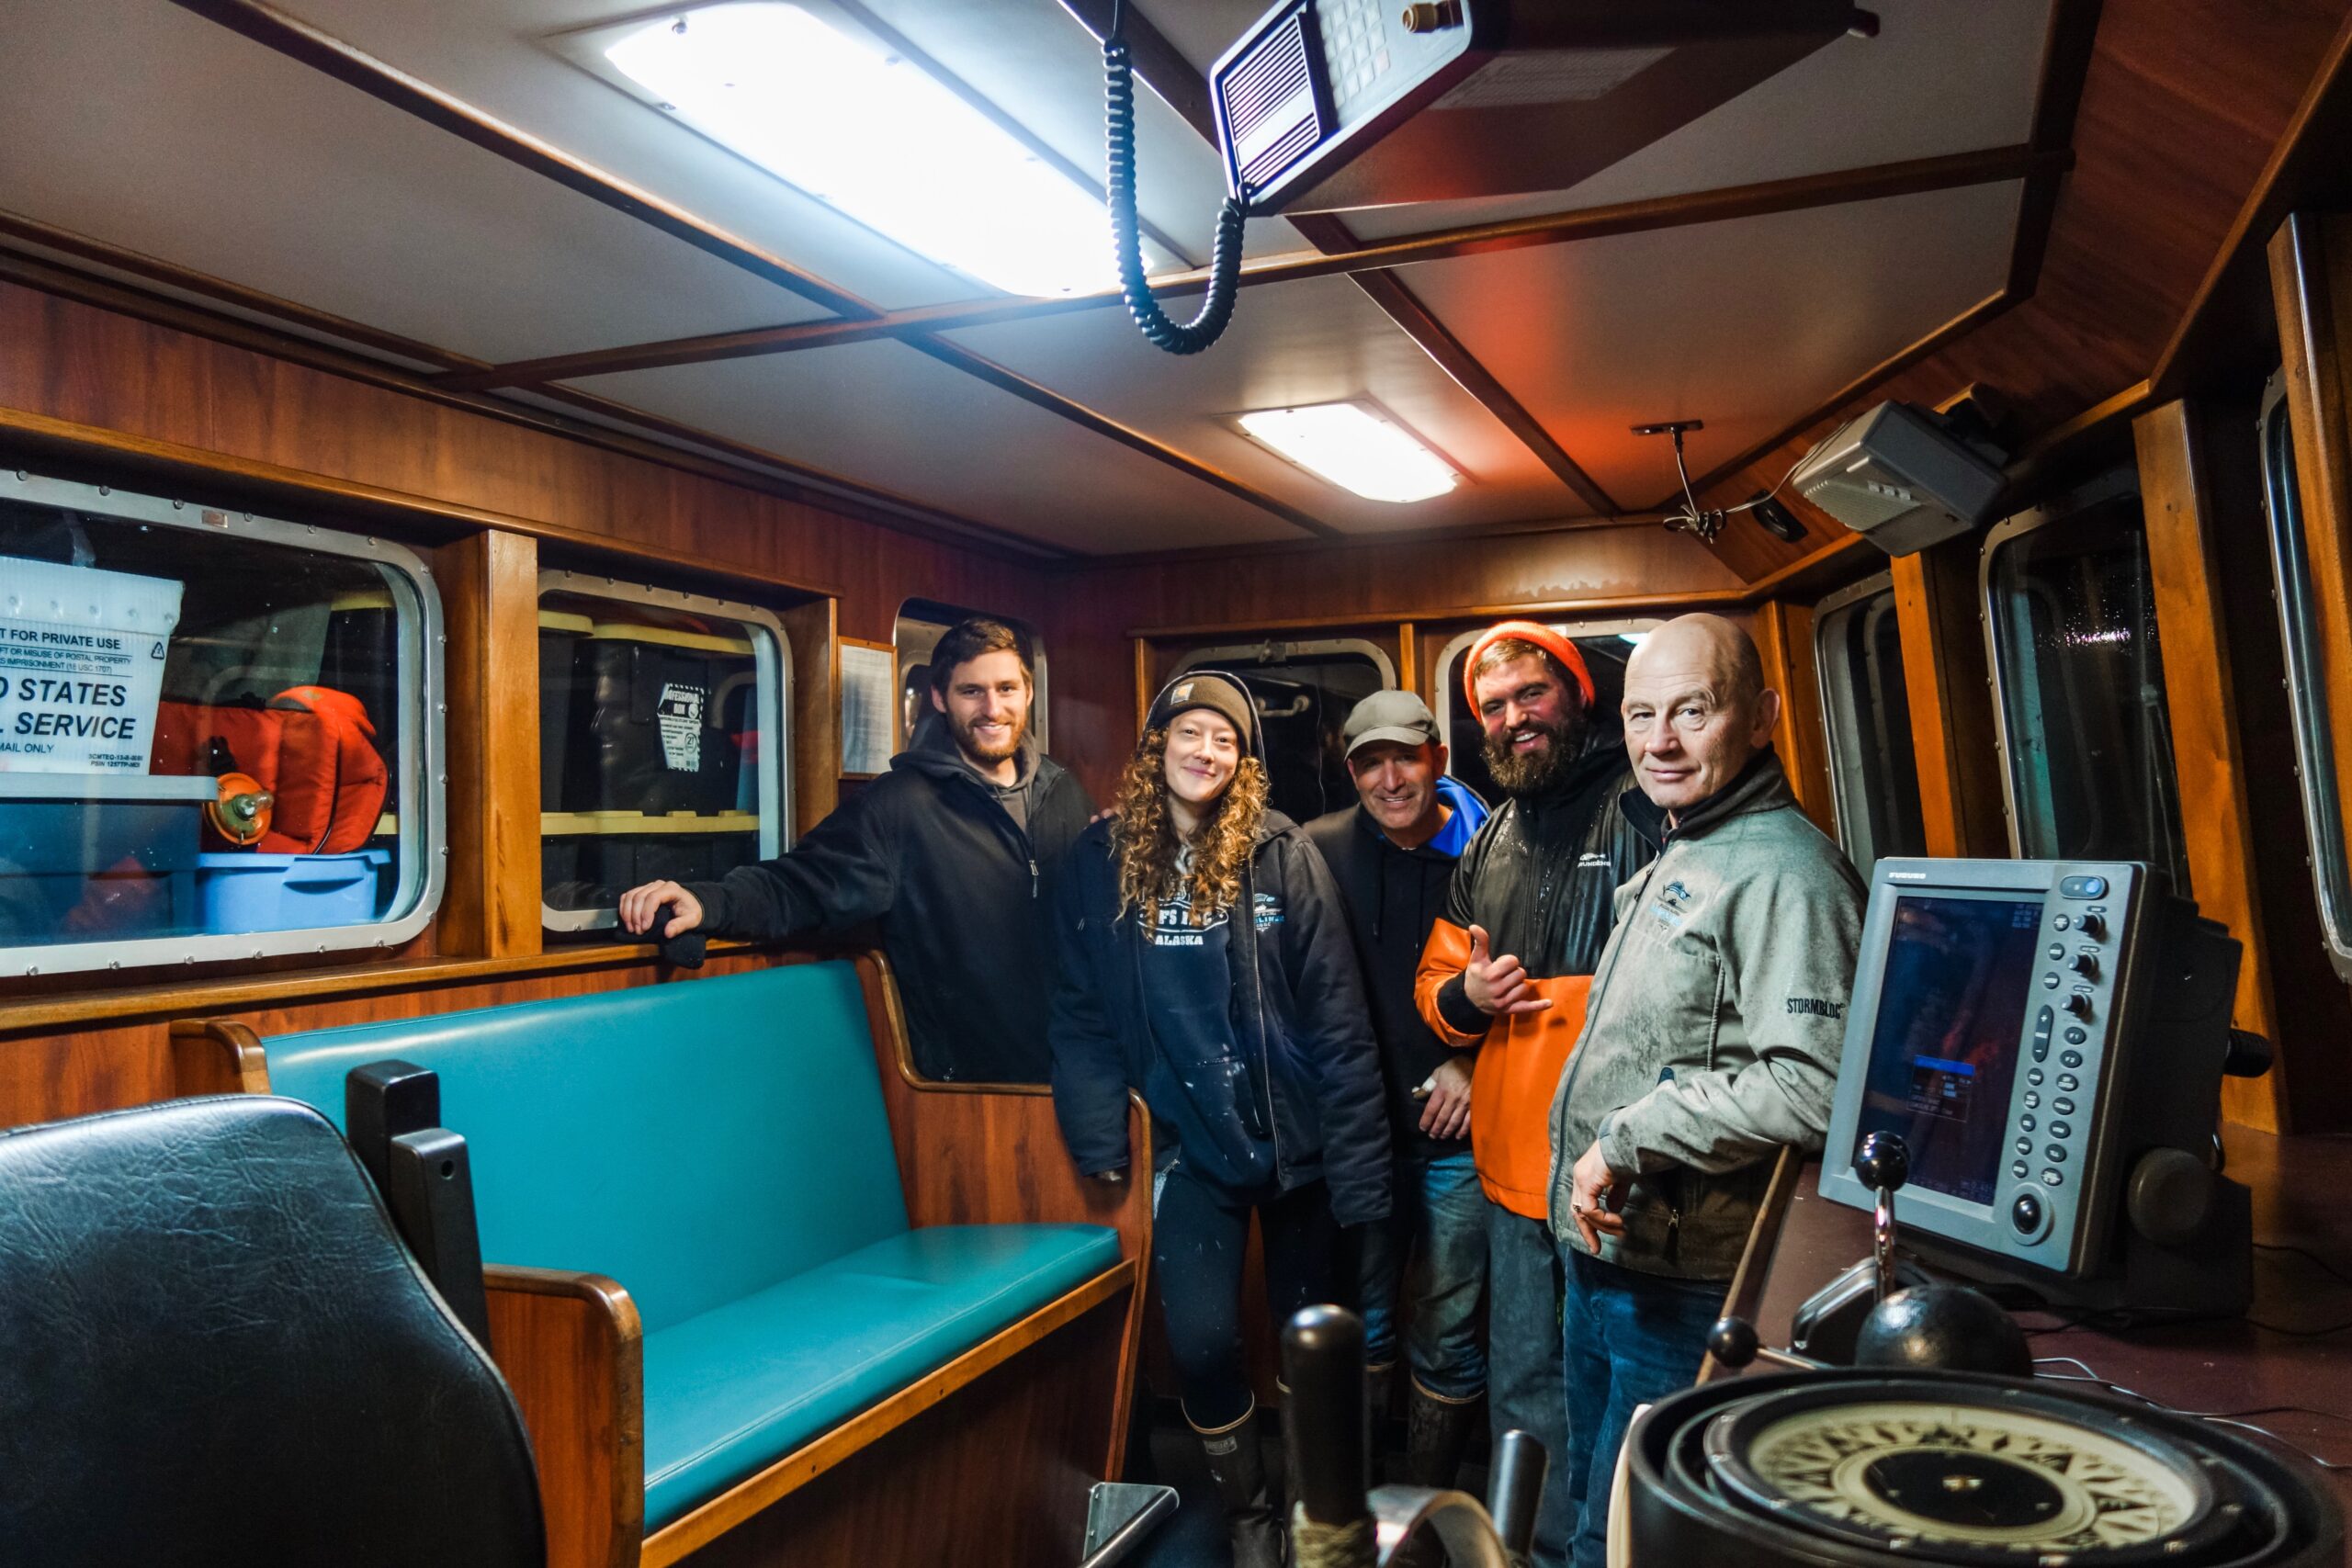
(570, 1344)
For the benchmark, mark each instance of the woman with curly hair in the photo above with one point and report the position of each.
(1205, 963)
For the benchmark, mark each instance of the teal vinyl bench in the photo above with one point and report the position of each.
(735, 1241)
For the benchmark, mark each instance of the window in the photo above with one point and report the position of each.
(922, 623)
(1605, 645)
(219, 735)
(1303, 691)
(661, 741)
(2085, 740)
(1867, 711)
(2306, 679)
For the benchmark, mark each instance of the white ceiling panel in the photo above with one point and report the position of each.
(885, 413)
(1744, 324)
(141, 125)
(1316, 342)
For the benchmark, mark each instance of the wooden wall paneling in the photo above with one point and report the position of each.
(2208, 758)
(816, 752)
(572, 1349)
(1949, 682)
(1783, 634)
(1409, 668)
(490, 592)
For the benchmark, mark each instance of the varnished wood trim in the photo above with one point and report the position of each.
(1746, 1291)
(490, 596)
(888, 1014)
(2209, 758)
(299, 41)
(1945, 681)
(1877, 182)
(572, 1349)
(24, 431)
(2313, 144)
(2055, 441)
(278, 988)
(798, 1468)
(1784, 639)
(1144, 693)
(217, 1055)
(1462, 533)
(744, 466)
(1408, 674)
(2066, 64)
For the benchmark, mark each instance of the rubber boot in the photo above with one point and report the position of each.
(1436, 1433)
(1239, 1468)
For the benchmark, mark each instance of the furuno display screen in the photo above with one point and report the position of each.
(1944, 1046)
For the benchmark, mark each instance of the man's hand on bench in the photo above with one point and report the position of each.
(640, 906)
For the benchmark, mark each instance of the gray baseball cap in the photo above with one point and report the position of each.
(1389, 715)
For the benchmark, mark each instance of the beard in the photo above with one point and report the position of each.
(1532, 772)
(969, 742)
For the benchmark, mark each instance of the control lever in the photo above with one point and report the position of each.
(685, 950)
(1883, 1164)
(1515, 1491)
(1333, 1523)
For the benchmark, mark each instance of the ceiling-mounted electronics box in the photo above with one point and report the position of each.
(1895, 477)
(1327, 105)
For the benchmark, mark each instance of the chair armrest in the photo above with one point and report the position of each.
(217, 1055)
(571, 1348)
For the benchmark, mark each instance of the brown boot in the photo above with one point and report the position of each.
(1239, 1468)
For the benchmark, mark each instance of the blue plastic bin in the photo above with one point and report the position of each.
(281, 893)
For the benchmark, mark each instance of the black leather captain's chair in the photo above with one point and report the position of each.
(214, 1350)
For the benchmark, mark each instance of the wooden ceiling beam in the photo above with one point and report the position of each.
(1912, 176)
(298, 41)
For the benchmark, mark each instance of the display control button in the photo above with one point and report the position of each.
(2069, 1082)
(2076, 1035)
(2032, 1100)
(2064, 922)
(2055, 1154)
(2034, 1075)
(2062, 1130)
(2042, 1050)
(2026, 1123)
(2026, 1213)
(2025, 1146)
(2057, 951)
(2019, 1170)
(2050, 981)
(2070, 1059)
(2053, 1179)
(2063, 1106)
(2083, 886)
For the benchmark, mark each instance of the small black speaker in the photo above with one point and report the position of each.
(1777, 520)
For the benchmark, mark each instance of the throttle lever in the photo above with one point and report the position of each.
(1883, 1164)
(1326, 1423)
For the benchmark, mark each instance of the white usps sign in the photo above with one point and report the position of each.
(82, 655)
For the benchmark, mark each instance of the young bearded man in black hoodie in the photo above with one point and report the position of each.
(953, 851)
(1392, 853)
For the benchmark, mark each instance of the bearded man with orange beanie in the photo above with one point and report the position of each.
(1506, 973)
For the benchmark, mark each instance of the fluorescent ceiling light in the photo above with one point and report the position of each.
(1633, 637)
(861, 129)
(1355, 448)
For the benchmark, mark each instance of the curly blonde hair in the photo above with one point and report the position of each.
(1146, 840)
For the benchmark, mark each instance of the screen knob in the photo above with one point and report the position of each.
(2092, 926)
(2079, 1004)
(2085, 962)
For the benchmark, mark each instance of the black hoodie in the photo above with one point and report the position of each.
(963, 892)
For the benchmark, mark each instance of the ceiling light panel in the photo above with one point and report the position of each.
(1356, 447)
(807, 94)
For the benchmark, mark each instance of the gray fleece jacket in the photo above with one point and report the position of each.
(1717, 1017)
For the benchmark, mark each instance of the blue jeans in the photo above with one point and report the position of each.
(1434, 1247)
(1631, 1338)
(1525, 1388)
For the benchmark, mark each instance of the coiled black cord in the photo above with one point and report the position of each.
(1225, 260)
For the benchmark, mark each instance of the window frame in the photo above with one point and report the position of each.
(775, 761)
(2112, 485)
(2309, 712)
(1836, 681)
(1275, 651)
(421, 735)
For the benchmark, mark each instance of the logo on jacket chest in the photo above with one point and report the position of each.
(1673, 904)
(1171, 923)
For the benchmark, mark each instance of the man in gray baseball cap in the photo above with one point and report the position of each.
(1391, 854)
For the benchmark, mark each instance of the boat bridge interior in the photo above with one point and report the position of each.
(423, 424)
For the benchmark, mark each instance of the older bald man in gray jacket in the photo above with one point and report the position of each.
(1712, 1038)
